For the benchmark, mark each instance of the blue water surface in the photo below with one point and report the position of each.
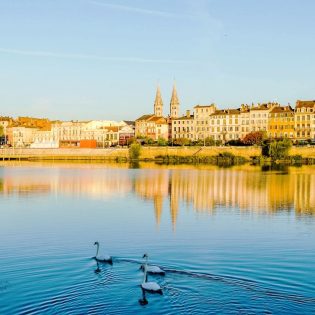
(232, 241)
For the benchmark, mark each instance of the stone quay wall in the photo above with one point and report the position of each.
(146, 152)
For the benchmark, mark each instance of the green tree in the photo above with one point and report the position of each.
(149, 141)
(182, 141)
(277, 150)
(209, 141)
(134, 151)
(162, 142)
(130, 141)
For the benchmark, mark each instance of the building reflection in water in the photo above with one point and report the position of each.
(245, 188)
(78, 180)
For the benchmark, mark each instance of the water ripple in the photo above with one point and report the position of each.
(236, 281)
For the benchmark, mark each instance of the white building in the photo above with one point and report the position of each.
(183, 127)
(45, 139)
(21, 137)
(202, 120)
(259, 116)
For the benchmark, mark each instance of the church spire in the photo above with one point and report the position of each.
(174, 104)
(158, 103)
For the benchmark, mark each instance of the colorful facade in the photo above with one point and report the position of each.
(281, 123)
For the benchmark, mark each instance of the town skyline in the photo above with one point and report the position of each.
(200, 123)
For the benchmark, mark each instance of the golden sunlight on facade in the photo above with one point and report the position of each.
(281, 122)
(224, 125)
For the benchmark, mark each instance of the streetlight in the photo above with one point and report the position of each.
(5, 134)
(203, 136)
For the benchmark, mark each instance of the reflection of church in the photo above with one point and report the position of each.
(207, 191)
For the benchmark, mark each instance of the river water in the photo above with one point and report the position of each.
(235, 240)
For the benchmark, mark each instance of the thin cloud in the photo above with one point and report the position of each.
(163, 14)
(49, 54)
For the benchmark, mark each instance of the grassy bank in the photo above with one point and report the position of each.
(154, 152)
(224, 160)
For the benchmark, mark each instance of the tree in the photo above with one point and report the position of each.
(130, 141)
(237, 142)
(277, 149)
(182, 141)
(149, 141)
(254, 137)
(209, 141)
(162, 142)
(134, 151)
(1, 131)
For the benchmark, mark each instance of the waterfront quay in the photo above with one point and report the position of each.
(110, 154)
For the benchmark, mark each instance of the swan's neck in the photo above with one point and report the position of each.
(97, 248)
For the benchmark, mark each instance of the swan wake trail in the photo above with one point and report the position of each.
(247, 284)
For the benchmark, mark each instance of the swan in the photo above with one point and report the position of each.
(152, 269)
(102, 258)
(149, 286)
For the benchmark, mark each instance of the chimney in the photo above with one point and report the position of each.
(188, 113)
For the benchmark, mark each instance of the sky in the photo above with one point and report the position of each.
(103, 59)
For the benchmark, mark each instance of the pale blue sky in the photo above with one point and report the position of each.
(102, 59)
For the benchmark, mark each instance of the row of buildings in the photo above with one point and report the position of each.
(42, 133)
(204, 121)
(208, 121)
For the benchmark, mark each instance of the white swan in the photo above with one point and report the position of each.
(102, 258)
(149, 286)
(152, 269)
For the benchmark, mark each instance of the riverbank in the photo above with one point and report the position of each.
(64, 154)
(147, 153)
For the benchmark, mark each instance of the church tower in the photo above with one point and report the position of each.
(158, 103)
(174, 104)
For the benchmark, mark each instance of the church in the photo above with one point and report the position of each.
(156, 126)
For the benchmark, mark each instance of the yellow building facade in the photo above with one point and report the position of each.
(281, 122)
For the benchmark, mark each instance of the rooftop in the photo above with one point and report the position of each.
(282, 109)
(300, 104)
(204, 106)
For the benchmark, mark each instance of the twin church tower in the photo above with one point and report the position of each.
(156, 126)
(174, 104)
